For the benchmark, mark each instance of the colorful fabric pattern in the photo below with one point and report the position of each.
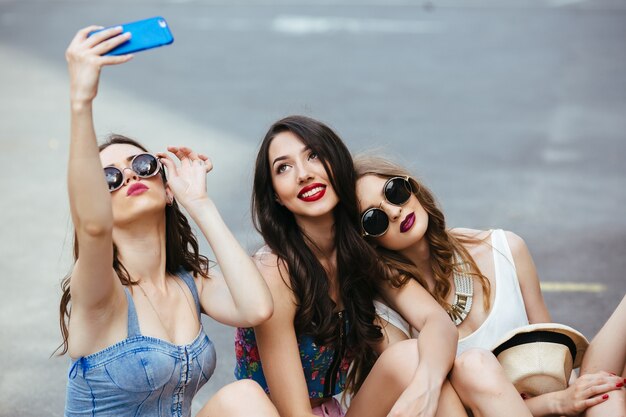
(316, 362)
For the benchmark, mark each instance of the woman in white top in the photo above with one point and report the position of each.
(486, 280)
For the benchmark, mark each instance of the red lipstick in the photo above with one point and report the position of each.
(407, 223)
(136, 189)
(312, 192)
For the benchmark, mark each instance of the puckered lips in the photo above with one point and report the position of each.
(312, 192)
(136, 189)
(407, 223)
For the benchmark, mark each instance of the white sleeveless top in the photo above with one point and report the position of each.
(507, 312)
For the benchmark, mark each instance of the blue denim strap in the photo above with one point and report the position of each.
(133, 321)
(188, 278)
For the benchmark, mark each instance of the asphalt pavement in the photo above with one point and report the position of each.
(512, 111)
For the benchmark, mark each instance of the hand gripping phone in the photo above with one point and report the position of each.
(145, 34)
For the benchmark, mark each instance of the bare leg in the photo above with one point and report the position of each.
(243, 398)
(391, 373)
(449, 403)
(607, 352)
(483, 386)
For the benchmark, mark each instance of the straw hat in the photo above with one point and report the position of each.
(539, 358)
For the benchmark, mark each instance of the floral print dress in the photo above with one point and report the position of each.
(325, 367)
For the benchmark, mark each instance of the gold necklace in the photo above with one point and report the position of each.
(156, 311)
(463, 293)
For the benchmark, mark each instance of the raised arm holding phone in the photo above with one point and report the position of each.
(139, 284)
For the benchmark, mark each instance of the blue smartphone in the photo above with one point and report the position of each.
(145, 34)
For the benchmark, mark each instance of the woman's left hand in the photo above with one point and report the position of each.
(187, 181)
(588, 390)
(416, 403)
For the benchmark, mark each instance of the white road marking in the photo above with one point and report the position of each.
(572, 287)
(562, 3)
(305, 25)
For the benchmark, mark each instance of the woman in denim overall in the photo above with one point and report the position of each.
(138, 285)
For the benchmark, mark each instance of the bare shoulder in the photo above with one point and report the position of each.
(269, 264)
(276, 274)
(524, 263)
(274, 270)
(213, 276)
(265, 259)
(516, 244)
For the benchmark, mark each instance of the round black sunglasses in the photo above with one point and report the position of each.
(397, 191)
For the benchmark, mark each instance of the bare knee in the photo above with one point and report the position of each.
(228, 399)
(478, 370)
(399, 361)
(245, 388)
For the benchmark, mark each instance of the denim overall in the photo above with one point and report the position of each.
(141, 375)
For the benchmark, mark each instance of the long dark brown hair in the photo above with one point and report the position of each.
(357, 264)
(442, 244)
(181, 249)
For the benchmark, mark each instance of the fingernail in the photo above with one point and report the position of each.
(605, 397)
(619, 384)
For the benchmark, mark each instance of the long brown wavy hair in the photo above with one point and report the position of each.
(358, 267)
(442, 244)
(181, 249)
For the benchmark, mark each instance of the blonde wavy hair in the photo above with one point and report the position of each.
(442, 243)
